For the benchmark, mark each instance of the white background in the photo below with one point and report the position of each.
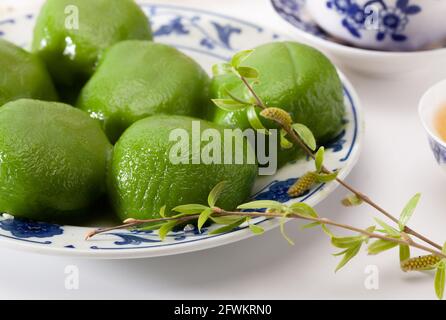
(395, 164)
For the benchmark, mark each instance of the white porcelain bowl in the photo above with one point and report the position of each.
(430, 103)
(300, 25)
(396, 25)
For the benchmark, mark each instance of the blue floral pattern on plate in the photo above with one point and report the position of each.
(181, 25)
(337, 143)
(24, 228)
(204, 35)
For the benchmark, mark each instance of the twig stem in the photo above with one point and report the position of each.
(296, 139)
(218, 212)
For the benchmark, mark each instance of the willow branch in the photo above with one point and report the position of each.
(297, 140)
(218, 212)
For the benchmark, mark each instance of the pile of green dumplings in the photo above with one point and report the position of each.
(89, 111)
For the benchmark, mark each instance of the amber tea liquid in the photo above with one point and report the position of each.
(440, 122)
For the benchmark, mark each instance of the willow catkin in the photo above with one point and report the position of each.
(420, 263)
(303, 184)
(278, 115)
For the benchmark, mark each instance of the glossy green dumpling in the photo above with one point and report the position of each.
(23, 75)
(53, 160)
(295, 77)
(137, 79)
(71, 35)
(143, 178)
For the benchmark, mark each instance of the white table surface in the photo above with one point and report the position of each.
(395, 164)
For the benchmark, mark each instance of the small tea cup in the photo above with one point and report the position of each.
(394, 25)
(430, 105)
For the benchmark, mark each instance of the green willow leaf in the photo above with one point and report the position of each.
(326, 177)
(349, 254)
(262, 204)
(190, 208)
(181, 215)
(327, 231)
(282, 230)
(444, 248)
(388, 229)
(237, 99)
(408, 211)
(404, 252)
(370, 229)
(440, 278)
(216, 193)
(248, 72)
(256, 229)
(305, 134)
(225, 220)
(239, 57)
(304, 209)
(163, 211)
(319, 159)
(284, 142)
(229, 227)
(229, 104)
(346, 242)
(310, 225)
(204, 216)
(380, 246)
(254, 120)
(166, 228)
(221, 68)
(351, 201)
(365, 237)
(340, 253)
(252, 100)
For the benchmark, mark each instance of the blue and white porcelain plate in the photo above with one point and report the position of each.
(209, 38)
